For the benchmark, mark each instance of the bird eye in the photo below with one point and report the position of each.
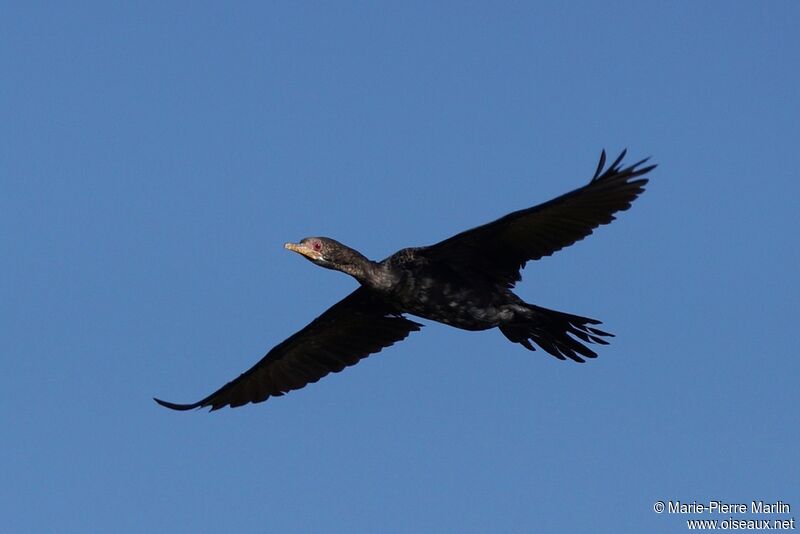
(317, 246)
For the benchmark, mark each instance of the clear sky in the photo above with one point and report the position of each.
(154, 160)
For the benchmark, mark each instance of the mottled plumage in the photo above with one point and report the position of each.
(464, 281)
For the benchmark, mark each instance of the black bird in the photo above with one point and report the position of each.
(464, 281)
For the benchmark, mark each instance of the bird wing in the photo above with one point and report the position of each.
(357, 326)
(499, 250)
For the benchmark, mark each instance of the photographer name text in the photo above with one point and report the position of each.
(721, 507)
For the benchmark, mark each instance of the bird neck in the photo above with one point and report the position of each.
(367, 272)
(356, 266)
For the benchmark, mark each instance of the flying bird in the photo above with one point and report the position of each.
(464, 281)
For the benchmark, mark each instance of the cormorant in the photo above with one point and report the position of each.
(464, 281)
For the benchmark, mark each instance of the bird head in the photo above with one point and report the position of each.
(326, 252)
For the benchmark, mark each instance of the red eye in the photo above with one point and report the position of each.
(317, 246)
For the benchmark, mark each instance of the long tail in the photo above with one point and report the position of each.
(556, 333)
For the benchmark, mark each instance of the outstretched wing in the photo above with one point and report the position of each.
(500, 249)
(357, 326)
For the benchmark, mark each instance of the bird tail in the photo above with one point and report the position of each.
(558, 333)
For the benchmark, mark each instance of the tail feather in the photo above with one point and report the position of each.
(556, 333)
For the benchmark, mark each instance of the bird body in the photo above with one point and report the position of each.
(438, 292)
(465, 281)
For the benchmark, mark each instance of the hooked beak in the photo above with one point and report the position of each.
(304, 250)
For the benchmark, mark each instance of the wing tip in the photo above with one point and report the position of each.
(177, 407)
(600, 164)
(616, 170)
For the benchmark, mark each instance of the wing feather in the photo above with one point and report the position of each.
(357, 326)
(499, 250)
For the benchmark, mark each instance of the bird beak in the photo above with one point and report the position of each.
(305, 251)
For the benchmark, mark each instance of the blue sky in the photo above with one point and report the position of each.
(154, 159)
